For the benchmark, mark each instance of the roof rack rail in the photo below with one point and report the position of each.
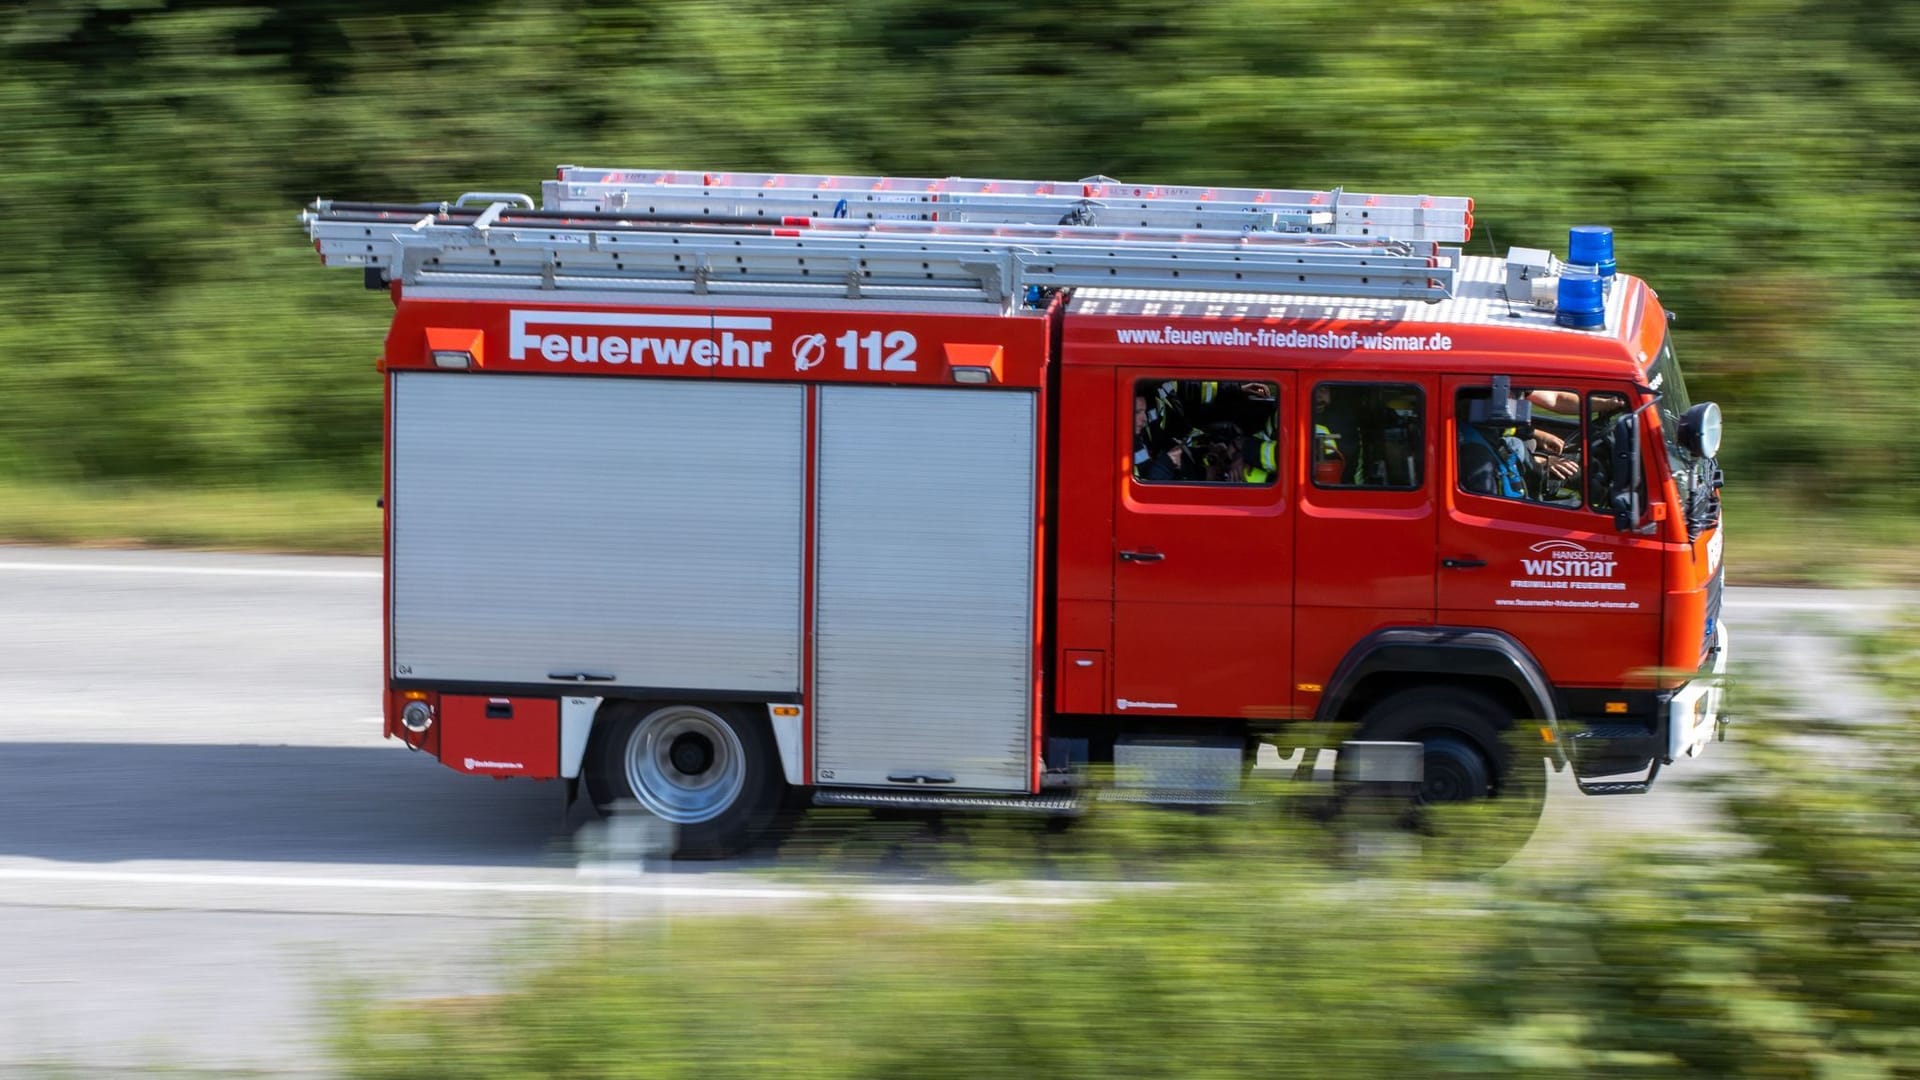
(1096, 200)
(493, 240)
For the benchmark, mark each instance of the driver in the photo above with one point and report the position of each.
(1524, 462)
(1493, 462)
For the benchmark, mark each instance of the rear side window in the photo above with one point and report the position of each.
(1206, 431)
(1368, 435)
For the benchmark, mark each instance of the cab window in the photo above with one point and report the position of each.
(1604, 412)
(1206, 431)
(1368, 435)
(1541, 461)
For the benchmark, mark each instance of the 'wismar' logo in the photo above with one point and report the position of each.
(1564, 558)
(675, 340)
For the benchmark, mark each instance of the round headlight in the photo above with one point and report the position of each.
(416, 717)
(1700, 429)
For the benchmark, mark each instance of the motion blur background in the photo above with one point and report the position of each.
(175, 368)
(166, 328)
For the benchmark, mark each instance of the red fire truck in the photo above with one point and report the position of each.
(725, 492)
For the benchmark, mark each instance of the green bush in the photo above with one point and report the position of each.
(1788, 947)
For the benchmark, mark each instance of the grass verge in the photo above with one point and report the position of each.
(306, 520)
(1775, 539)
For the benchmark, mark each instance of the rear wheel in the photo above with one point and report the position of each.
(711, 772)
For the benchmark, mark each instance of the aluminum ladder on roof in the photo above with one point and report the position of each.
(488, 240)
(1096, 200)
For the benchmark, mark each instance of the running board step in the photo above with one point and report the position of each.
(892, 800)
(1633, 785)
(1620, 787)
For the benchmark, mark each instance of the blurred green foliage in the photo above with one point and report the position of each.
(165, 321)
(1787, 947)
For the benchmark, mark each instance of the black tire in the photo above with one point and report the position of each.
(1474, 754)
(1471, 743)
(712, 772)
(1454, 771)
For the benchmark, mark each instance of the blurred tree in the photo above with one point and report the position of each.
(1757, 159)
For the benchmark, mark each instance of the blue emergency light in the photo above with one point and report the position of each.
(1581, 303)
(1592, 246)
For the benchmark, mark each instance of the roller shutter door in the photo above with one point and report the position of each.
(647, 529)
(925, 586)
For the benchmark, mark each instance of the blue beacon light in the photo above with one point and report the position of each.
(1581, 303)
(1590, 247)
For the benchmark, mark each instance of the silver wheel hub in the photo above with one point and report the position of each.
(685, 765)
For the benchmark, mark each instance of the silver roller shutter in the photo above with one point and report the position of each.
(644, 528)
(925, 586)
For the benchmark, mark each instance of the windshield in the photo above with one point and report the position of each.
(1692, 475)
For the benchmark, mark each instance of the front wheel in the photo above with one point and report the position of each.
(711, 772)
(1481, 782)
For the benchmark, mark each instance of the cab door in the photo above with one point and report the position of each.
(1367, 516)
(1538, 557)
(1203, 544)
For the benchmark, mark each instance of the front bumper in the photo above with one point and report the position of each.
(1623, 756)
(1693, 713)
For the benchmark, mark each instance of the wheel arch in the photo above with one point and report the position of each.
(583, 727)
(1397, 658)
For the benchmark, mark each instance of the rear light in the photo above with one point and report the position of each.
(417, 717)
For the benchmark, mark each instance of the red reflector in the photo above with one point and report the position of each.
(800, 221)
(786, 232)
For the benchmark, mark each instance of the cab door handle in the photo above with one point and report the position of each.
(1463, 564)
(1141, 556)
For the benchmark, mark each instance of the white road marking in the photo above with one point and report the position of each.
(205, 571)
(706, 892)
(1763, 607)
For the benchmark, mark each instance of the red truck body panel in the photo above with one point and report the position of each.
(1186, 601)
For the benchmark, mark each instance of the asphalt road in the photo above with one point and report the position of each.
(202, 831)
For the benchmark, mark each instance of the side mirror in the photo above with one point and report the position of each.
(1623, 492)
(1700, 430)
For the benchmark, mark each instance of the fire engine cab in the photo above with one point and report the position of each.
(725, 492)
